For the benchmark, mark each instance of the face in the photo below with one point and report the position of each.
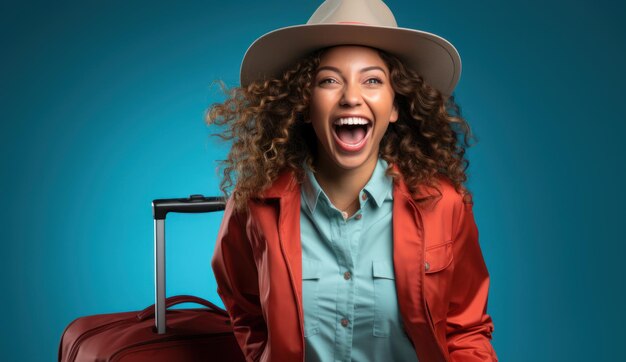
(351, 107)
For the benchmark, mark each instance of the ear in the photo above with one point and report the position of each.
(394, 113)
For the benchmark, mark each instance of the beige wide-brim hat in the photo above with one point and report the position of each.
(354, 22)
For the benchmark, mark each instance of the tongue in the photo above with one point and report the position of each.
(351, 135)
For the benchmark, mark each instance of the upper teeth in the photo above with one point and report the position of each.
(351, 120)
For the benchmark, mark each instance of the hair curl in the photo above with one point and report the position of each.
(265, 121)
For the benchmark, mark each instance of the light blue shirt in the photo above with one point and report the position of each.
(351, 309)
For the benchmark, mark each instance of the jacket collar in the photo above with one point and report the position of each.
(287, 183)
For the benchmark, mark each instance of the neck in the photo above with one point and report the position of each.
(343, 186)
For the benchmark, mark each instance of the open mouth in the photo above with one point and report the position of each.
(351, 133)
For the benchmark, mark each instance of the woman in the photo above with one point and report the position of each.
(349, 234)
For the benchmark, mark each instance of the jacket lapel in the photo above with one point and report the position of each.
(287, 190)
(291, 247)
(408, 259)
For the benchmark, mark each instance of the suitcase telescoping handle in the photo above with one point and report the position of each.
(160, 208)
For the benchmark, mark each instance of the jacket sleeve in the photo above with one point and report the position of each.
(469, 327)
(237, 283)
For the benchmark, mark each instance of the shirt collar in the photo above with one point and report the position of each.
(311, 190)
(378, 188)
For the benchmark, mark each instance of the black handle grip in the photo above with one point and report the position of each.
(192, 204)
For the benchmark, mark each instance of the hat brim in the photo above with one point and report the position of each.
(431, 56)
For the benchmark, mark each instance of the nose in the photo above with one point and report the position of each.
(351, 95)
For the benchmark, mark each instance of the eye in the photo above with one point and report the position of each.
(375, 81)
(327, 81)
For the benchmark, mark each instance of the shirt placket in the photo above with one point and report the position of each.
(345, 234)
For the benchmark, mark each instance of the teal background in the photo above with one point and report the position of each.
(102, 111)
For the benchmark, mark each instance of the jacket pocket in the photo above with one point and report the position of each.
(438, 257)
(385, 299)
(310, 303)
(438, 269)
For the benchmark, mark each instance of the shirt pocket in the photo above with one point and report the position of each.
(310, 298)
(385, 299)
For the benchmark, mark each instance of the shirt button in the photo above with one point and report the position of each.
(358, 216)
(347, 275)
(426, 265)
(344, 322)
(364, 196)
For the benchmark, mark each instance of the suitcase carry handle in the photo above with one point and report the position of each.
(192, 204)
(172, 301)
(160, 208)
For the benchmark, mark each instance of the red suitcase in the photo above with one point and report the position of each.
(198, 334)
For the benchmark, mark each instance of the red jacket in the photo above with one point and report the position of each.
(441, 278)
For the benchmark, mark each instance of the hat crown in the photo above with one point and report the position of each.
(370, 12)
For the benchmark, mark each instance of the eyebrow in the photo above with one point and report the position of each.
(328, 67)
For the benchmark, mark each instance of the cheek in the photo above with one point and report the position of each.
(314, 109)
(380, 133)
(318, 121)
(382, 101)
(319, 111)
(316, 115)
(387, 100)
(322, 100)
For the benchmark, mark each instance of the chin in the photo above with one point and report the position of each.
(352, 162)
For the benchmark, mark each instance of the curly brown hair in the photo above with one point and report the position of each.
(266, 122)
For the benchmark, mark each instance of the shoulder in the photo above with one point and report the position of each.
(450, 193)
(441, 195)
(285, 183)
